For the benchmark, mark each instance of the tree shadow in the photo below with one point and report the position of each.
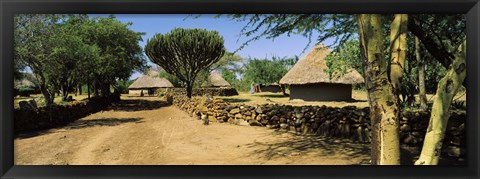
(235, 100)
(280, 95)
(137, 105)
(411, 154)
(301, 144)
(80, 124)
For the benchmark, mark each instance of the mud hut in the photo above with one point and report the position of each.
(309, 82)
(149, 84)
(273, 88)
(215, 80)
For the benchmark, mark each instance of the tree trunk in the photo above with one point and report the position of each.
(88, 90)
(46, 94)
(189, 89)
(447, 88)
(383, 106)
(398, 50)
(421, 76)
(79, 88)
(64, 93)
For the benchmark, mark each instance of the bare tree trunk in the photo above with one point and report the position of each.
(398, 50)
(447, 88)
(383, 106)
(189, 89)
(421, 76)
(88, 90)
(79, 88)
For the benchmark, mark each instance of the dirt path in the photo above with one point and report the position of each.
(142, 131)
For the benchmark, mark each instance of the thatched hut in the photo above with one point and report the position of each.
(28, 81)
(308, 80)
(215, 80)
(273, 88)
(149, 84)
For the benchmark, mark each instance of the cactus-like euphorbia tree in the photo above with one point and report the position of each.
(185, 52)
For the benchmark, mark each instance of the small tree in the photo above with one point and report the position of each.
(185, 52)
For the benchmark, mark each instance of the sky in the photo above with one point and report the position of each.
(283, 46)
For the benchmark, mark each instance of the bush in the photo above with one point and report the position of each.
(25, 92)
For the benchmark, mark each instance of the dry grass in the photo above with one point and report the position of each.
(360, 99)
(41, 102)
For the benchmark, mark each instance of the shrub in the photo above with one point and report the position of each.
(25, 92)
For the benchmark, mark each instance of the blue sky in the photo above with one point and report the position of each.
(230, 30)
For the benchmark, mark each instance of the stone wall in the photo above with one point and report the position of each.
(204, 91)
(28, 117)
(347, 122)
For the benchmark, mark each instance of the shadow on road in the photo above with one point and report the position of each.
(301, 145)
(137, 105)
(80, 124)
(102, 122)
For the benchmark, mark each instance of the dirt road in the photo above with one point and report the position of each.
(147, 131)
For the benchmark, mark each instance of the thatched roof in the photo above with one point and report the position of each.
(24, 83)
(150, 80)
(310, 70)
(216, 80)
(28, 81)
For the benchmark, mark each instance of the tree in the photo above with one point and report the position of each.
(185, 52)
(266, 71)
(421, 76)
(447, 88)
(348, 56)
(33, 45)
(120, 53)
(65, 50)
(384, 112)
(342, 27)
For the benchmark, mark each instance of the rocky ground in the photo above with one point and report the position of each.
(142, 131)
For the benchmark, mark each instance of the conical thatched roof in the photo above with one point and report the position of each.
(216, 80)
(310, 70)
(24, 83)
(28, 81)
(150, 80)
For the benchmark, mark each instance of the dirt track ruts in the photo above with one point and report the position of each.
(147, 131)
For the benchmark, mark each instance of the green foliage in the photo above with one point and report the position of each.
(229, 76)
(25, 92)
(64, 50)
(172, 78)
(202, 79)
(229, 61)
(348, 57)
(264, 71)
(184, 53)
(340, 27)
(122, 86)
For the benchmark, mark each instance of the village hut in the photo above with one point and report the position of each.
(24, 83)
(149, 84)
(308, 80)
(273, 88)
(215, 80)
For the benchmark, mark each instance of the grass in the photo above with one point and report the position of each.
(360, 99)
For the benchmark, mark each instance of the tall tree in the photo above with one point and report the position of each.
(120, 53)
(33, 46)
(447, 88)
(383, 105)
(265, 71)
(186, 52)
(342, 27)
(421, 75)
